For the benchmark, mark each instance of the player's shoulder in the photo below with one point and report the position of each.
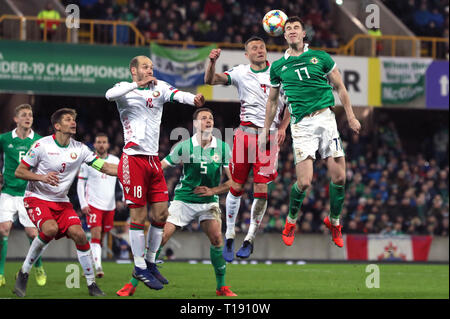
(238, 68)
(113, 158)
(6, 136)
(277, 63)
(319, 53)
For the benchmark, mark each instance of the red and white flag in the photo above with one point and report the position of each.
(388, 248)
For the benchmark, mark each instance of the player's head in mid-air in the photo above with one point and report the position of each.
(255, 50)
(203, 122)
(141, 67)
(64, 121)
(101, 144)
(23, 116)
(294, 32)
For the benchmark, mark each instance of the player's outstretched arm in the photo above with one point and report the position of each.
(283, 126)
(122, 88)
(336, 79)
(109, 169)
(211, 77)
(271, 110)
(24, 172)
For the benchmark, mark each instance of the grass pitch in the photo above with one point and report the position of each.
(249, 281)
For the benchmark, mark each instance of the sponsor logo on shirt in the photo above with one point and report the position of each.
(51, 153)
(10, 146)
(73, 155)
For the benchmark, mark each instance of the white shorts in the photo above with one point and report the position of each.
(11, 207)
(182, 214)
(316, 133)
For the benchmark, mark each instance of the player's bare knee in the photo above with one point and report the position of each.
(237, 187)
(303, 185)
(216, 240)
(5, 228)
(79, 237)
(339, 180)
(50, 229)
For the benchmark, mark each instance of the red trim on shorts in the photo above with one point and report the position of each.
(96, 241)
(247, 123)
(84, 247)
(260, 195)
(235, 192)
(158, 225)
(130, 144)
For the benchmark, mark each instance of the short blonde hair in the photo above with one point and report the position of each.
(22, 107)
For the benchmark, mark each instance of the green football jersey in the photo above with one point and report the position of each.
(201, 167)
(304, 82)
(13, 149)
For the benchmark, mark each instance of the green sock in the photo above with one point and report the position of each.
(38, 262)
(337, 195)
(3, 250)
(295, 201)
(133, 280)
(219, 265)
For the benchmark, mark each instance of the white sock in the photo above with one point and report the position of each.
(96, 250)
(334, 222)
(36, 249)
(232, 209)
(154, 238)
(137, 243)
(85, 259)
(259, 207)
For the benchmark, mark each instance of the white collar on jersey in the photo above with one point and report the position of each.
(14, 134)
(305, 48)
(213, 143)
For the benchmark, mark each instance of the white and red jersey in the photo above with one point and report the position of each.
(96, 188)
(46, 156)
(253, 89)
(140, 112)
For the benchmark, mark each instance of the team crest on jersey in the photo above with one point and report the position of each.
(216, 158)
(73, 155)
(314, 60)
(156, 94)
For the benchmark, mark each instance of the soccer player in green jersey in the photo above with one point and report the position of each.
(204, 158)
(14, 145)
(303, 74)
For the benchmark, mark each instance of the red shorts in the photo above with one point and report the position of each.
(100, 218)
(247, 155)
(142, 179)
(40, 211)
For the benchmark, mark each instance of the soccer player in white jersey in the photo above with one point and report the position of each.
(140, 105)
(96, 194)
(253, 83)
(204, 159)
(50, 166)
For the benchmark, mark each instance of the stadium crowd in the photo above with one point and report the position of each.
(423, 17)
(231, 21)
(388, 189)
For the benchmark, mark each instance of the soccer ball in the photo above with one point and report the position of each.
(273, 22)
